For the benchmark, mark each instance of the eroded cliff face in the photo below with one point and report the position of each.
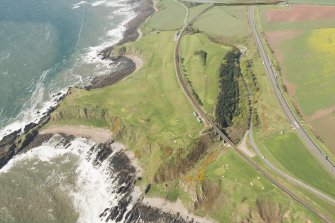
(21, 140)
(122, 174)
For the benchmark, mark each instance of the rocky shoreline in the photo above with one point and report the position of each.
(18, 140)
(130, 207)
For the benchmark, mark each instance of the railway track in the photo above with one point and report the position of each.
(207, 121)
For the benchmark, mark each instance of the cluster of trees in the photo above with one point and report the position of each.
(228, 99)
(203, 56)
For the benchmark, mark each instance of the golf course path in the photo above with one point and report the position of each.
(306, 139)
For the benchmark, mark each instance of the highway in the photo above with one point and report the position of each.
(207, 121)
(306, 139)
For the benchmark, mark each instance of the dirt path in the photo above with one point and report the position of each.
(244, 147)
(155, 5)
(97, 135)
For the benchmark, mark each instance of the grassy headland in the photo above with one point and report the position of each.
(149, 113)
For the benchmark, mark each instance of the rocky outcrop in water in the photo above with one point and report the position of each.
(129, 208)
(19, 140)
(125, 67)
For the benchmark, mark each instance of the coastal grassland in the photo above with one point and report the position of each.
(224, 23)
(287, 152)
(195, 10)
(203, 74)
(147, 110)
(170, 16)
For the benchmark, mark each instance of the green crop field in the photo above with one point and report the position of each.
(169, 17)
(289, 153)
(306, 58)
(196, 10)
(224, 22)
(204, 78)
(308, 64)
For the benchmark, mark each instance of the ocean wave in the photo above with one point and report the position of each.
(93, 188)
(37, 107)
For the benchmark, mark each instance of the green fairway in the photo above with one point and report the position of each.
(148, 107)
(196, 10)
(224, 22)
(244, 189)
(204, 78)
(288, 152)
(169, 17)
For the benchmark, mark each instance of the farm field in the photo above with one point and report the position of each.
(169, 17)
(312, 2)
(230, 23)
(204, 77)
(287, 152)
(306, 56)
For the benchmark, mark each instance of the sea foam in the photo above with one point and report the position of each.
(36, 107)
(94, 191)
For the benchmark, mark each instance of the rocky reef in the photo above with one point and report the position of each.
(129, 207)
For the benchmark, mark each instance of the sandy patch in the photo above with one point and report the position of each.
(97, 135)
(244, 147)
(138, 61)
(155, 5)
(174, 208)
(300, 13)
(140, 34)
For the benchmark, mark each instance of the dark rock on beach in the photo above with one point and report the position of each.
(125, 67)
(123, 174)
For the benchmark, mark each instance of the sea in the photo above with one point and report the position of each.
(46, 46)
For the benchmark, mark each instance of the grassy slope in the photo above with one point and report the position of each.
(291, 155)
(149, 101)
(204, 78)
(224, 23)
(169, 17)
(245, 186)
(196, 10)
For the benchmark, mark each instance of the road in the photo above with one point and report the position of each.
(286, 176)
(306, 139)
(207, 121)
